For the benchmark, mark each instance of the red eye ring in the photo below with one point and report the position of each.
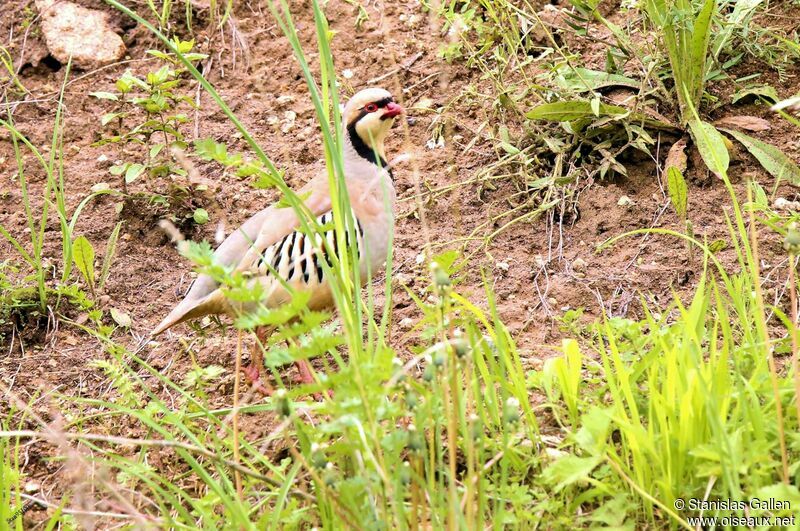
(371, 107)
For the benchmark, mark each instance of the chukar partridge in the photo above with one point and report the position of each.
(272, 236)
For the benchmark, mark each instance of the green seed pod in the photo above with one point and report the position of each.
(282, 404)
(511, 411)
(429, 374)
(329, 475)
(412, 399)
(440, 278)
(439, 357)
(443, 282)
(460, 346)
(476, 427)
(416, 443)
(405, 473)
(791, 242)
(318, 459)
(397, 367)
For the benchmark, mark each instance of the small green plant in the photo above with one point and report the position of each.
(146, 123)
(148, 113)
(162, 10)
(684, 35)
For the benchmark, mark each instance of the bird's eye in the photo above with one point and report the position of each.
(371, 107)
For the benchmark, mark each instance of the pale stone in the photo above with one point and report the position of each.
(84, 34)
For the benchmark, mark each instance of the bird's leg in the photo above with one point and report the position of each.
(305, 372)
(306, 377)
(253, 371)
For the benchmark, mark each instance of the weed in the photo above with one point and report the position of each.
(147, 120)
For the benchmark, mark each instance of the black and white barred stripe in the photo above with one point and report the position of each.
(296, 257)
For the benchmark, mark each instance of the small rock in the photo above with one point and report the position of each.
(579, 264)
(347, 73)
(407, 322)
(625, 201)
(551, 301)
(502, 266)
(32, 487)
(435, 144)
(289, 118)
(283, 101)
(782, 203)
(403, 279)
(83, 34)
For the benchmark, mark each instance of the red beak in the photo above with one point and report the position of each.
(392, 110)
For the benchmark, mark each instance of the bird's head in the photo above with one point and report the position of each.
(368, 117)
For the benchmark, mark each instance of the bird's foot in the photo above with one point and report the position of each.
(253, 376)
(305, 377)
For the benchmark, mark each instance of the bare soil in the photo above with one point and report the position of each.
(540, 282)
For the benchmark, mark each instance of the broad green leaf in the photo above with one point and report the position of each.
(184, 47)
(764, 91)
(195, 56)
(593, 434)
(676, 185)
(104, 96)
(118, 169)
(711, 145)
(595, 104)
(567, 111)
(156, 149)
(775, 161)
(717, 246)
(83, 256)
(111, 248)
(701, 33)
(121, 318)
(569, 469)
(200, 216)
(209, 149)
(584, 79)
(133, 171)
(108, 117)
(759, 195)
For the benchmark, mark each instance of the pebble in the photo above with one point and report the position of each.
(83, 34)
(782, 203)
(625, 201)
(502, 266)
(407, 322)
(579, 264)
(404, 279)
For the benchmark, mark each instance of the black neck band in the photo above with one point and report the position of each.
(360, 146)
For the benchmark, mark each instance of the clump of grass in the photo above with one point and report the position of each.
(686, 403)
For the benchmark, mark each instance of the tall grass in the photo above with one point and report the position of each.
(685, 403)
(689, 402)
